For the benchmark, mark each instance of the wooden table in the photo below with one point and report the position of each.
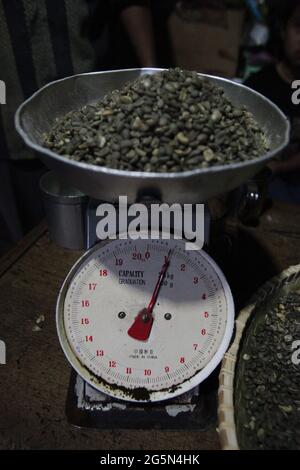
(35, 379)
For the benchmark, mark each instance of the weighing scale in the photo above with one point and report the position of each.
(143, 323)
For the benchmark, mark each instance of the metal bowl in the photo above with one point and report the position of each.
(36, 116)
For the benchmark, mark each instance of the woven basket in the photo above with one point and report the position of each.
(226, 418)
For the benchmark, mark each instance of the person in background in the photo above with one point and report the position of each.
(42, 41)
(275, 82)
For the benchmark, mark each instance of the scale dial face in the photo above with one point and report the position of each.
(100, 300)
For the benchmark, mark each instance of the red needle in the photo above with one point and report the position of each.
(142, 325)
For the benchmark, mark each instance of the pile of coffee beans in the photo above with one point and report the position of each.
(267, 392)
(170, 121)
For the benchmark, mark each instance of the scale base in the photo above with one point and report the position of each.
(89, 408)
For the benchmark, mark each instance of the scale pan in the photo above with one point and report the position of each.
(36, 116)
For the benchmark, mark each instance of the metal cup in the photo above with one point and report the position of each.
(65, 212)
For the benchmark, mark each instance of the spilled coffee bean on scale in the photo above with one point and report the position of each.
(267, 391)
(170, 121)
